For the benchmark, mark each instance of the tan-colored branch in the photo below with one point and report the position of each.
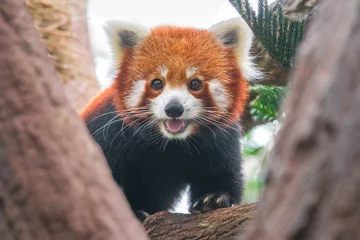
(222, 224)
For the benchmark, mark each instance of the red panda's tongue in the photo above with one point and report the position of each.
(174, 125)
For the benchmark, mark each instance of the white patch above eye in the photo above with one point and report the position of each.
(190, 71)
(219, 94)
(163, 71)
(136, 93)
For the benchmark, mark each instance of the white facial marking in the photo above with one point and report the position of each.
(219, 94)
(190, 71)
(183, 135)
(192, 108)
(163, 71)
(191, 105)
(136, 92)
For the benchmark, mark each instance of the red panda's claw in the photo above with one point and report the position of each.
(211, 202)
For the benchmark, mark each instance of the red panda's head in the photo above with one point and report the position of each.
(181, 79)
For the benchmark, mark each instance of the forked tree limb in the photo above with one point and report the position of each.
(54, 180)
(224, 224)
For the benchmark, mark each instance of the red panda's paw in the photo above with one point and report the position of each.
(141, 215)
(211, 202)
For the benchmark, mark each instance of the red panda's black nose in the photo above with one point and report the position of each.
(174, 109)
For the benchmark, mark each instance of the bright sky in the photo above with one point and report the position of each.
(199, 13)
(195, 13)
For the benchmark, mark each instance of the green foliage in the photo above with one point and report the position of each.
(251, 150)
(253, 188)
(254, 182)
(278, 34)
(266, 105)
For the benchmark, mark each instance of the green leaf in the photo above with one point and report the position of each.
(265, 106)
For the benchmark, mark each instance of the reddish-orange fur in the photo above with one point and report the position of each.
(177, 49)
(99, 102)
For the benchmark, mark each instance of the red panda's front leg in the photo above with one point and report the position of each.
(214, 192)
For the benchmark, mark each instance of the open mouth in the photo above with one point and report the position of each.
(175, 125)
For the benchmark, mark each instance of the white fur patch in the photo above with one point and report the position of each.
(219, 94)
(191, 105)
(192, 108)
(163, 71)
(136, 93)
(183, 135)
(190, 71)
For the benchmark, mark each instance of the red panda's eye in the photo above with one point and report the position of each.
(157, 84)
(195, 84)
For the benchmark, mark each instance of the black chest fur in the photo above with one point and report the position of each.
(153, 171)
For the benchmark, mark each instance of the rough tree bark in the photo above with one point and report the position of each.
(312, 184)
(54, 180)
(223, 224)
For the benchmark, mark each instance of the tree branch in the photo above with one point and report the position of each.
(225, 223)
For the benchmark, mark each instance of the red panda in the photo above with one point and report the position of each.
(170, 118)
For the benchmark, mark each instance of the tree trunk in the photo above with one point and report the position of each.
(54, 180)
(222, 224)
(312, 184)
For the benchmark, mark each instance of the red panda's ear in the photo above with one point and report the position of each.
(235, 33)
(123, 34)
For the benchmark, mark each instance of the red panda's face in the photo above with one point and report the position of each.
(182, 79)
